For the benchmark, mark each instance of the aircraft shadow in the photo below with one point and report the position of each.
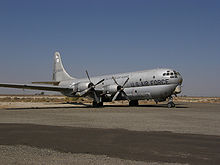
(84, 106)
(79, 105)
(148, 105)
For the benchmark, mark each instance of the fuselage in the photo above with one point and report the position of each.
(157, 84)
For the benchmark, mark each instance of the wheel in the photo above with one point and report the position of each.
(100, 104)
(95, 104)
(170, 105)
(133, 103)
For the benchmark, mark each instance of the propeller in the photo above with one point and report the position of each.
(91, 88)
(120, 89)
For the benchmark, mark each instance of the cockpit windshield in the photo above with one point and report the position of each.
(172, 74)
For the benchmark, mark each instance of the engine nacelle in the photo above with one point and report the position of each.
(110, 89)
(82, 86)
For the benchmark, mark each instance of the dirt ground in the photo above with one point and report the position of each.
(32, 101)
(191, 131)
(60, 133)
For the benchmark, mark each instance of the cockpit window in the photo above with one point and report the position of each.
(164, 74)
(171, 73)
(168, 74)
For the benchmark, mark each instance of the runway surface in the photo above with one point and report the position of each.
(154, 134)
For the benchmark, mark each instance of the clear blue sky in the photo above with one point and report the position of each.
(112, 36)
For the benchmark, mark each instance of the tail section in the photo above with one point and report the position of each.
(59, 73)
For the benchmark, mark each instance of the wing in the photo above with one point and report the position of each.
(36, 87)
(56, 83)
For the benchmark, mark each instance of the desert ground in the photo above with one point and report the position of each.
(59, 130)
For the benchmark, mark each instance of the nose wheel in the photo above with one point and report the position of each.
(170, 103)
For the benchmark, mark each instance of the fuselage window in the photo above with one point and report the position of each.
(153, 76)
(140, 79)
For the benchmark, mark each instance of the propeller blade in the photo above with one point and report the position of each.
(116, 95)
(125, 82)
(99, 82)
(125, 95)
(88, 75)
(115, 81)
(84, 92)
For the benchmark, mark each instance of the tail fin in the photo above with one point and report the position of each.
(59, 73)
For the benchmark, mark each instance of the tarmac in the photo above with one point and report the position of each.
(115, 134)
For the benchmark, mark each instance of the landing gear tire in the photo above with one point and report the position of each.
(100, 104)
(95, 104)
(170, 105)
(133, 103)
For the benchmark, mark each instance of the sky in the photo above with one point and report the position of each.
(111, 36)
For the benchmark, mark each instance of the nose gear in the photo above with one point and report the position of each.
(170, 103)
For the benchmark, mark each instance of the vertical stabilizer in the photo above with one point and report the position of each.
(59, 73)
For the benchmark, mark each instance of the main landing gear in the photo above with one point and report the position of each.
(95, 104)
(133, 103)
(170, 103)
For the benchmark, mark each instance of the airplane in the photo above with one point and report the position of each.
(157, 84)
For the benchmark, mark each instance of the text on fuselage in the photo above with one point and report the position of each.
(150, 83)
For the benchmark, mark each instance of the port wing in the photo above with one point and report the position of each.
(35, 87)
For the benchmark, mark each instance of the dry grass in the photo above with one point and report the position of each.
(63, 99)
(198, 99)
